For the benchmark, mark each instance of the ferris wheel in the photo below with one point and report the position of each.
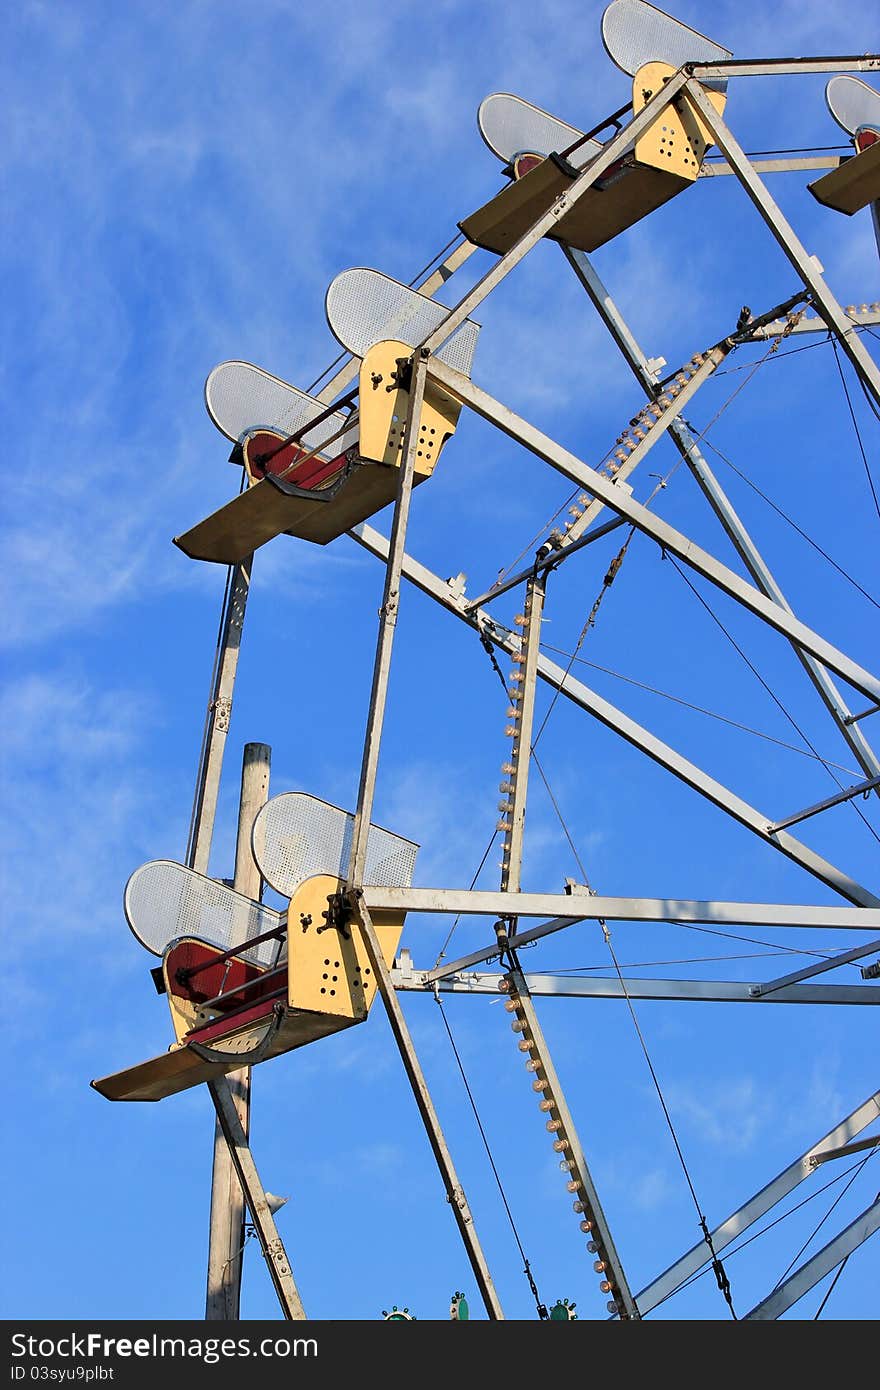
(247, 982)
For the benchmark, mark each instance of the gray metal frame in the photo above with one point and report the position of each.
(765, 601)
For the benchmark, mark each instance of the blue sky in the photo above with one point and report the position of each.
(182, 182)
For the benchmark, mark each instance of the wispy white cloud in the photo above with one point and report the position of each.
(731, 1113)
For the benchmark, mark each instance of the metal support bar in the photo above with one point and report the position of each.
(667, 537)
(454, 1191)
(713, 168)
(863, 714)
(806, 265)
(387, 626)
(544, 566)
(613, 718)
(720, 503)
(858, 789)
(219, 712)
(672, 1278)
(264, 1224)
(817, 968)
(845, 1150)
(809, 1274)
(610, 987)
(775, 67)
(586, 906)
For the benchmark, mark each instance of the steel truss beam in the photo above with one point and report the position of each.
(586, 906)
(449, 595)
(817, 968)
(610, 987)
(809, 1274)
(775, 67)
(454, 1191)
(360, 830)
(271, 1243)
(720, 503)
(532, 934)
(739, 1221)
(667, 537)
(807, 266)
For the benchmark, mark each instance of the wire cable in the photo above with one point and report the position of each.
(785, 517)
(676, 699)
(856, 428)
(783, 1216)
(541, 1307)
(857, 1170)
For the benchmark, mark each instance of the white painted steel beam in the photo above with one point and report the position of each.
(809, 1274)
(776, 67)
(577, 907)
(454, 1191)
(610, 987)
(817, 968)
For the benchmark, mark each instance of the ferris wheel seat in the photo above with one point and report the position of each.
(662, 162)
(853, 184)
(230, 1011)
(317, 498)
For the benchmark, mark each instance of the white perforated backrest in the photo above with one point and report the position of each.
(366, 307)
(241, 397)
(635, 33)
(852, 103)
(511, 126)
(165, 900)
(296, 836)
